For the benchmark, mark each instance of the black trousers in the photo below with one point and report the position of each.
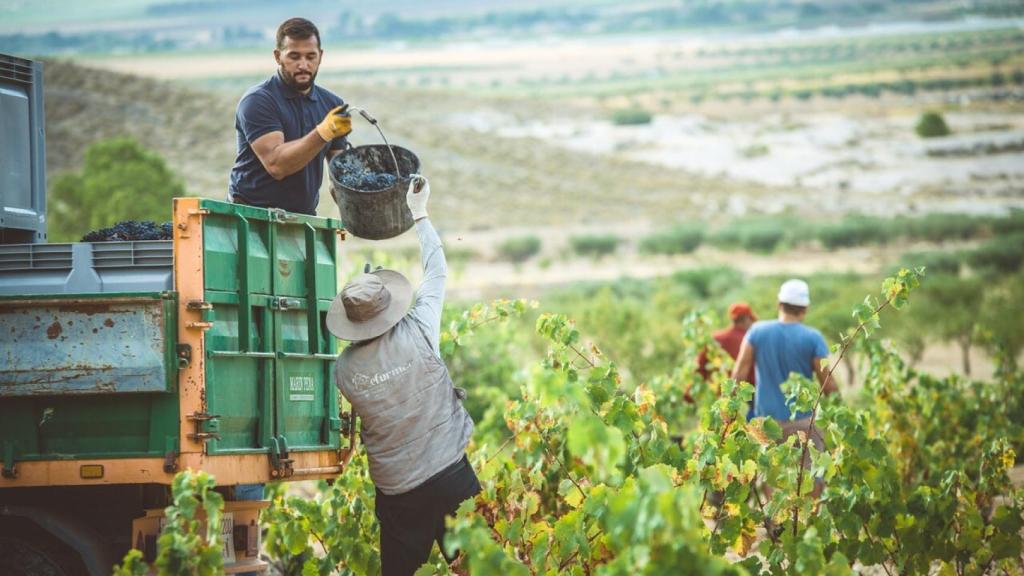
(410, 523)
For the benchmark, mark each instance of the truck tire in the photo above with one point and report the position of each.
(27, 550)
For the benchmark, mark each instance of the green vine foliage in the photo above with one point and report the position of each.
(915, 472)
(581, 475)
(334, 532)
(183, 548)
(131, 565)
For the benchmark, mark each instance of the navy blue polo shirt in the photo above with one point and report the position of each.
(273, 106)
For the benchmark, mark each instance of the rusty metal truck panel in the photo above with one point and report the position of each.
(84, 344)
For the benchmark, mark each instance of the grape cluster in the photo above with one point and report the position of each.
(353, 173)
(131, 230)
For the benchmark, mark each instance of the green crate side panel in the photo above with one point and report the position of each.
(326, 271)
(87, 345)
(305, 398)
(79, 427)
(290, 266)
(274, 272)
(223, 248)
(305, 395)
(234, 379)
(293, 246)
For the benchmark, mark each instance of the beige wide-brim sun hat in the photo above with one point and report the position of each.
(369, 305)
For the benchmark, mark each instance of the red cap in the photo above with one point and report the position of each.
(739, 309)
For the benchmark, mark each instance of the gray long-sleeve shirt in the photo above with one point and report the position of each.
(430, 295)
(413, 421)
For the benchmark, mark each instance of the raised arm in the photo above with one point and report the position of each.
(744, 362)
(827, 382)
(282, 159)
(430, 295)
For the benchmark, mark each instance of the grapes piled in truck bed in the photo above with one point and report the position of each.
(130, 230)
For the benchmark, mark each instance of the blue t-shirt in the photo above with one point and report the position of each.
(273, 106)
(781, 348)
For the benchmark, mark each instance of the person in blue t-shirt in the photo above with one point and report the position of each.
(778, 348)
(287, 126)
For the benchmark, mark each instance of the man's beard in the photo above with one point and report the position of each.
(298, 86)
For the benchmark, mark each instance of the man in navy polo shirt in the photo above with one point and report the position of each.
(287, 126)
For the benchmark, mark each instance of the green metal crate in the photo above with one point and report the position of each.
(269, 278)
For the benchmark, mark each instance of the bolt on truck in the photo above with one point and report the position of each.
(122, 363)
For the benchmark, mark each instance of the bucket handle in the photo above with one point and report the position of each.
(373, 121)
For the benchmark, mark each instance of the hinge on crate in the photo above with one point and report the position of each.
(207, 426)
(183, 225)
(280, 463)
(9, 470)
(205, 310)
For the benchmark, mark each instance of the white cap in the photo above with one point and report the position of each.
(795, 292)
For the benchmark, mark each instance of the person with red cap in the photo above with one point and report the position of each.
(730, 339)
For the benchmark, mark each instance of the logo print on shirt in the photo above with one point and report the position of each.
(367, 384)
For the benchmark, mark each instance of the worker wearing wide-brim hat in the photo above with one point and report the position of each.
(414, 426)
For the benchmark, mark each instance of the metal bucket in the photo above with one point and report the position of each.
(374, 214)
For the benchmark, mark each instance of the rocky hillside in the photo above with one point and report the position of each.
(193, 130)
(480, 181)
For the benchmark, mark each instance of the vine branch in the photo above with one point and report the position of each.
(847, 342)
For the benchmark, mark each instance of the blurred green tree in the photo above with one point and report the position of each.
(949, 308)
(1000, 316)
(631, 116)
(932, 125)
(120, 180)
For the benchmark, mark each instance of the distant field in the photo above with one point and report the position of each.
(17, 15)
(162, 16)
(666, 72)
(524, 127)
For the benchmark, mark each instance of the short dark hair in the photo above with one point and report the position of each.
(793, 309)
(297, 28)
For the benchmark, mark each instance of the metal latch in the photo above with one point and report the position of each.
(282, 303)
(207, 426)
(280, 463)
(279, 215)
(184, 355)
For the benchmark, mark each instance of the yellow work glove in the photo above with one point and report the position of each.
(336, 124)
